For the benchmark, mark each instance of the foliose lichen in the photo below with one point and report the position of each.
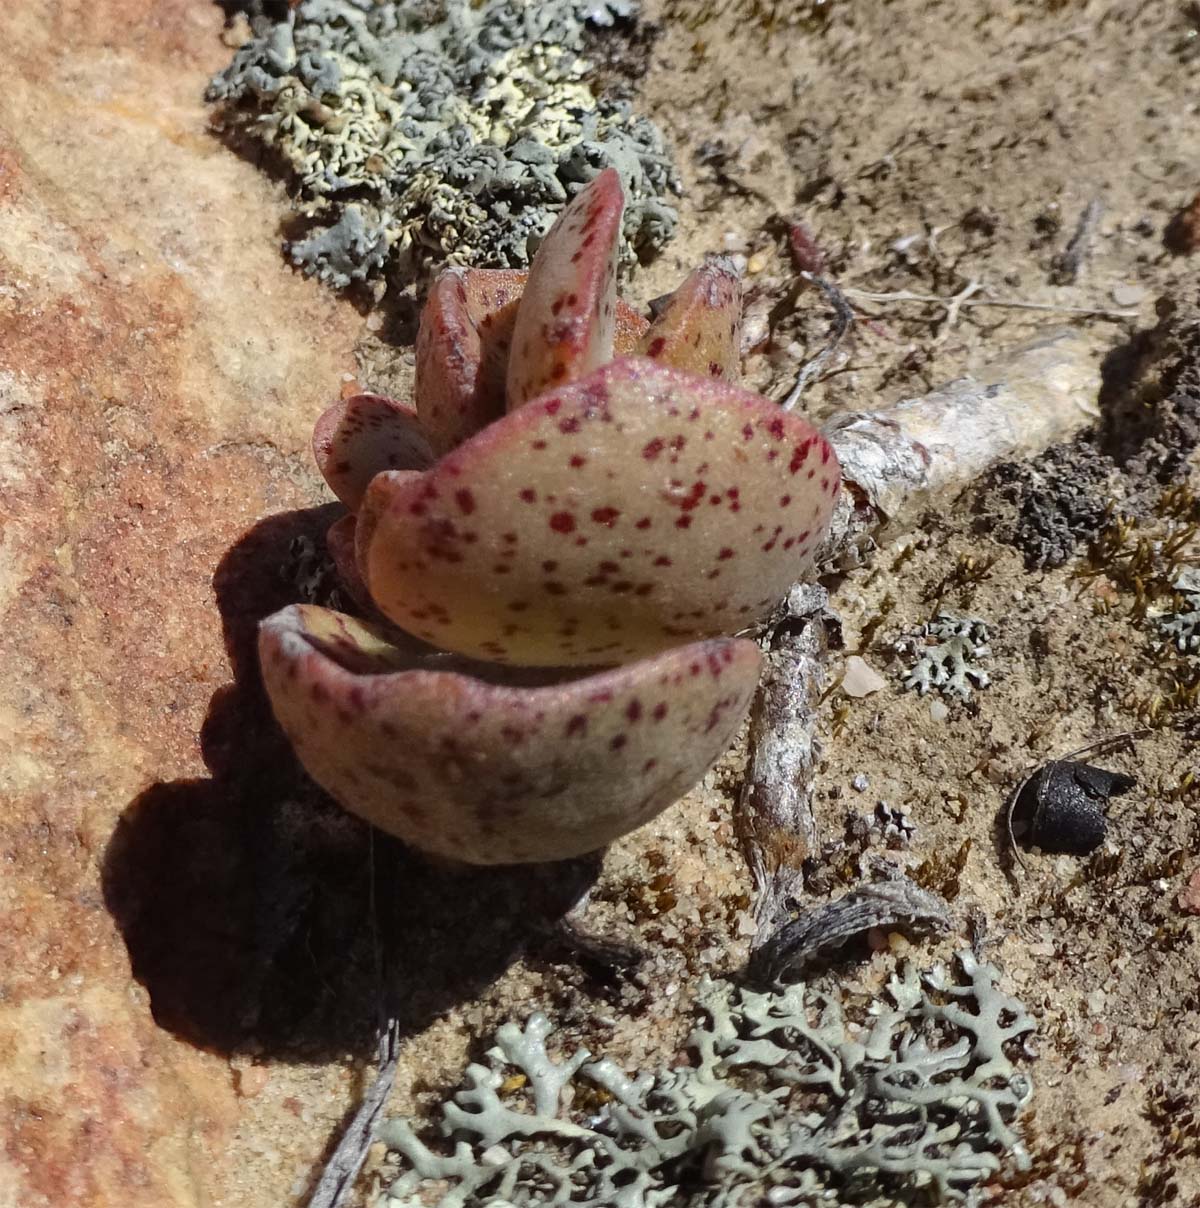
(426, 133)
(951, 664)
(1181, 627)
(786, 1101)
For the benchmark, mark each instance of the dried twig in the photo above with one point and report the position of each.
(775, 821)
(341, 1171)
(899, 460)
(1066, 266)
(842, 322)
(966, 297)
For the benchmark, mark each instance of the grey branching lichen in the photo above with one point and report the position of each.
(425, 133)
(786, 1101)
(1182, 627)
(951, 664)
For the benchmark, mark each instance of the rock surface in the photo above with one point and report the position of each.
(160, 369)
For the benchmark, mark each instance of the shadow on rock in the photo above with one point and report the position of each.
(261, 916)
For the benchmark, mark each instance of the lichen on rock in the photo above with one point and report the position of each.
(425, 134)
(787, 1100)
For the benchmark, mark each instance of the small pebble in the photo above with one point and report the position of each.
(861, 783)
(860, 678)
(1128, 295)
(1189, 898)
(939, 710)
(756, 263)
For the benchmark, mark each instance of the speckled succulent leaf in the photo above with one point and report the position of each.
(634, 509)
(490, 774)
(566, 323)
(358, 437)
(462, 351)
(700, 327)
(375, 503)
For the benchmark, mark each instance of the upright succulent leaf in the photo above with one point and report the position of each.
(629, 511)
(700, 328)
(492, 774)
(359, 437)
(566, 322)
(462, 351)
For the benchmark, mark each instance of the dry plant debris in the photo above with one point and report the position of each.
(786, 1099)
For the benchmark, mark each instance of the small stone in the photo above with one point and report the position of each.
(1128, 295)
(1189, 898)
(756, 263)
(860, 678)
(861, 783)
(939, 710)
(251, 1080)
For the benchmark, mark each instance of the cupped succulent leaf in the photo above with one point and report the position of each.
(462, 351)
(358, 437)
(375, 503)
(629, 511)
(492, 774)
(566, 322)
(700, 327)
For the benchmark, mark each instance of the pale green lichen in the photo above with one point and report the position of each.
(951, 664)
(1181, 627)
(787, 1102)
(426, 133)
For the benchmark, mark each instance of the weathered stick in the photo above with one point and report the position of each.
(917, 452)
(775, 822)
(895, 463)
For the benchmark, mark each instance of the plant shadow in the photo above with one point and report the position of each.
(258, 914)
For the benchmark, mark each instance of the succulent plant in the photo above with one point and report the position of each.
(551, 547)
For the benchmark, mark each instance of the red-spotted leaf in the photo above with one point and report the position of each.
(566, 322)
(700, 328)
(462, 351)
(487, 773)
(358, 437)
(629, 511)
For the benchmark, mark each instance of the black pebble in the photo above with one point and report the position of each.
(1061, 808)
